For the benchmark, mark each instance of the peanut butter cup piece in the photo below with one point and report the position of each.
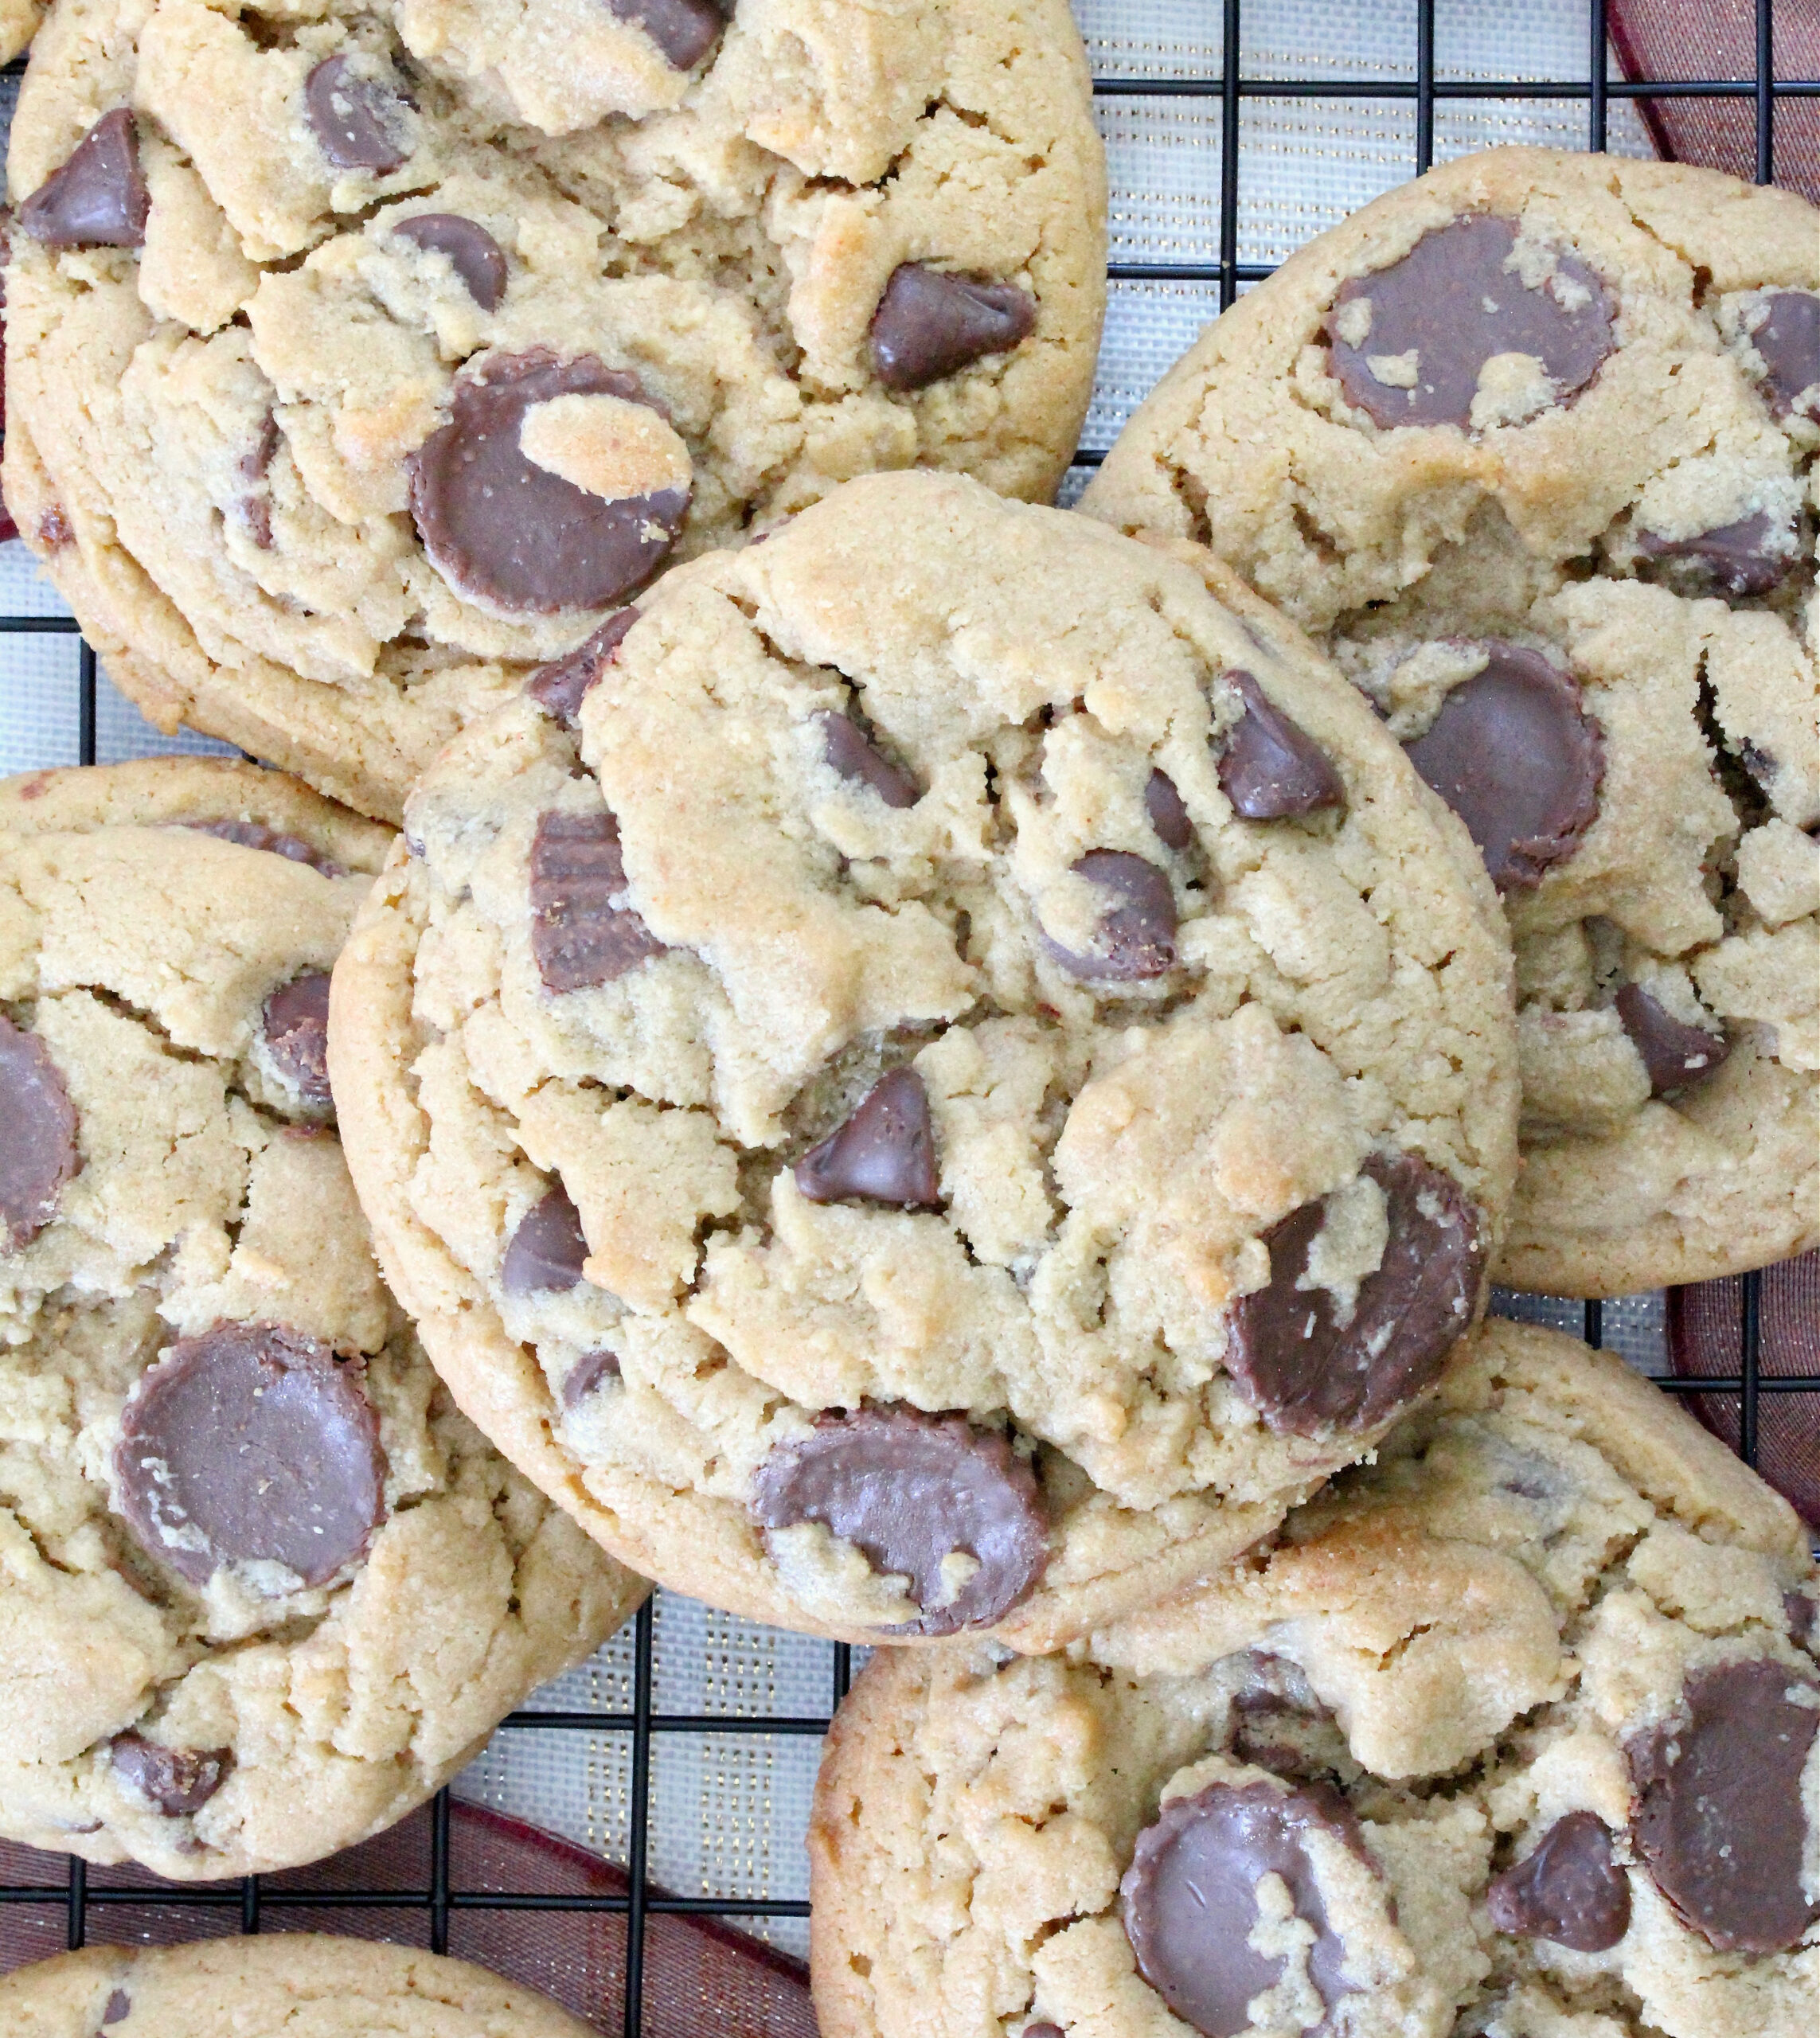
(1567, 1889)
(296, 1029)
(584, 931)
(271, 841)
(37, 1136)
(1739, 559)
(932, 323)
(1788, 342)
(178, 1780)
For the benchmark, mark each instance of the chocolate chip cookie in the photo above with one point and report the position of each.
(1513, 1732)
(19, 21)
(1529, 445)
(361, 364)
(938, 1078)
(265, 1587)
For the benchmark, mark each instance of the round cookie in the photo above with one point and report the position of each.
(1513, 1731)
(281, 1985)
(972, 1081)
(1529, 445)
(360, 364)
(265, 1587)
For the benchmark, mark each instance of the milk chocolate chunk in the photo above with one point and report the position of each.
(37, 1136)
(1136, 938)
(857, 759)
(1803, 1612)
(684, 30)
(1676, 1055)
(931, 323)
(912, 1491)
(1452, 302)
(580, 937)
(118, 2006)
(296, 1029)
(1738, 559)
(560, 687)
(1788, 340)
(1718, 1818)
(273, 841)
(1303, 1365)
(1190, 1898)
(1514, 753)
(357, 122)
(178, 1780)
(502, 530)
(590, 1371)
(1042, 2031)
(251, 1444)
(474, 255)
(98, 198)
(1167, 816)
(1270, 769)
(1567, 1889)
(885, 1152)
(547, 1251)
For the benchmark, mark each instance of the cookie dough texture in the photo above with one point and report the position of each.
(204, 1718)
(1469, 1642)
(1652, 535)
(283, 1985)
(19, 21)
(213, 435)
(847, 1132)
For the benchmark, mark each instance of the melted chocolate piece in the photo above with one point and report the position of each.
(1270, 769)
(118, 2007)
(908, 1489)
(274, 841)
(473, 254)
(255, 504)
(560, 687)
(252, 1444)
(1042, 2031)
(1516, 755)
(356, 121)
(885, 1152)
(1789, 342)
(1718, 1819)
(590, 1371)
(1567, 1889)
(178, 1780)
(1167, 816)
(297, 1035)
(1453, 301)
(547, 1251)
(1736, 558)
(854, 755)
(579, 937)
(1136, 935)
(1189, 1897)
(502, 530)
(98, 198)
(1803, 1612)
(1676, 1055)
(37, 1136)
(931, 323)
(1303, 1369)
(684, 30)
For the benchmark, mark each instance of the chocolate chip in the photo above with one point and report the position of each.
(356, 121)
(909, 1490)
(178, 1780)
(1453, 302)
(588, 1372)
(1737, 558)
(296, 1027)
(1296, 1363)
(98, 198)
(1167, 816)
(274, 841)
(1718, 1819)
(885, 1152)
(930, 322)
(118, 2007)
(546, 1253)
(684, 30)
(1676, 1055)
(1270, 769)
(1136, 938)
(1190, 1901)
(1789, 342)
(1567, 1889)
(251, 1444)
(1802, 1613)
(580, 937)
(473, 253)
(37, 1136)
(560, 687)
(855, 757)
(503, 530)
(1043, 2031)
(1515, 755)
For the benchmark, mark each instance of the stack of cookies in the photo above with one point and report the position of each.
(928, 1070)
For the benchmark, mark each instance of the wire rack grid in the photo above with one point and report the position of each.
(1235, 79)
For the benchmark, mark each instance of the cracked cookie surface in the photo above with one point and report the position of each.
(265, 1588)
(866, 1119)
(1528, 445)
(299, 302)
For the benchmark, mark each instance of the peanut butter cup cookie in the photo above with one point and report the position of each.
(938, 1079)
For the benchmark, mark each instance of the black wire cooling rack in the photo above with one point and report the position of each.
(438, 1898)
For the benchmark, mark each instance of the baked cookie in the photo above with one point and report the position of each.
(974, 1078)
(1513, 1733)
(1529, 445)
(361, 363)
(264, 1587)
(283, 1985)
(19, 21)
